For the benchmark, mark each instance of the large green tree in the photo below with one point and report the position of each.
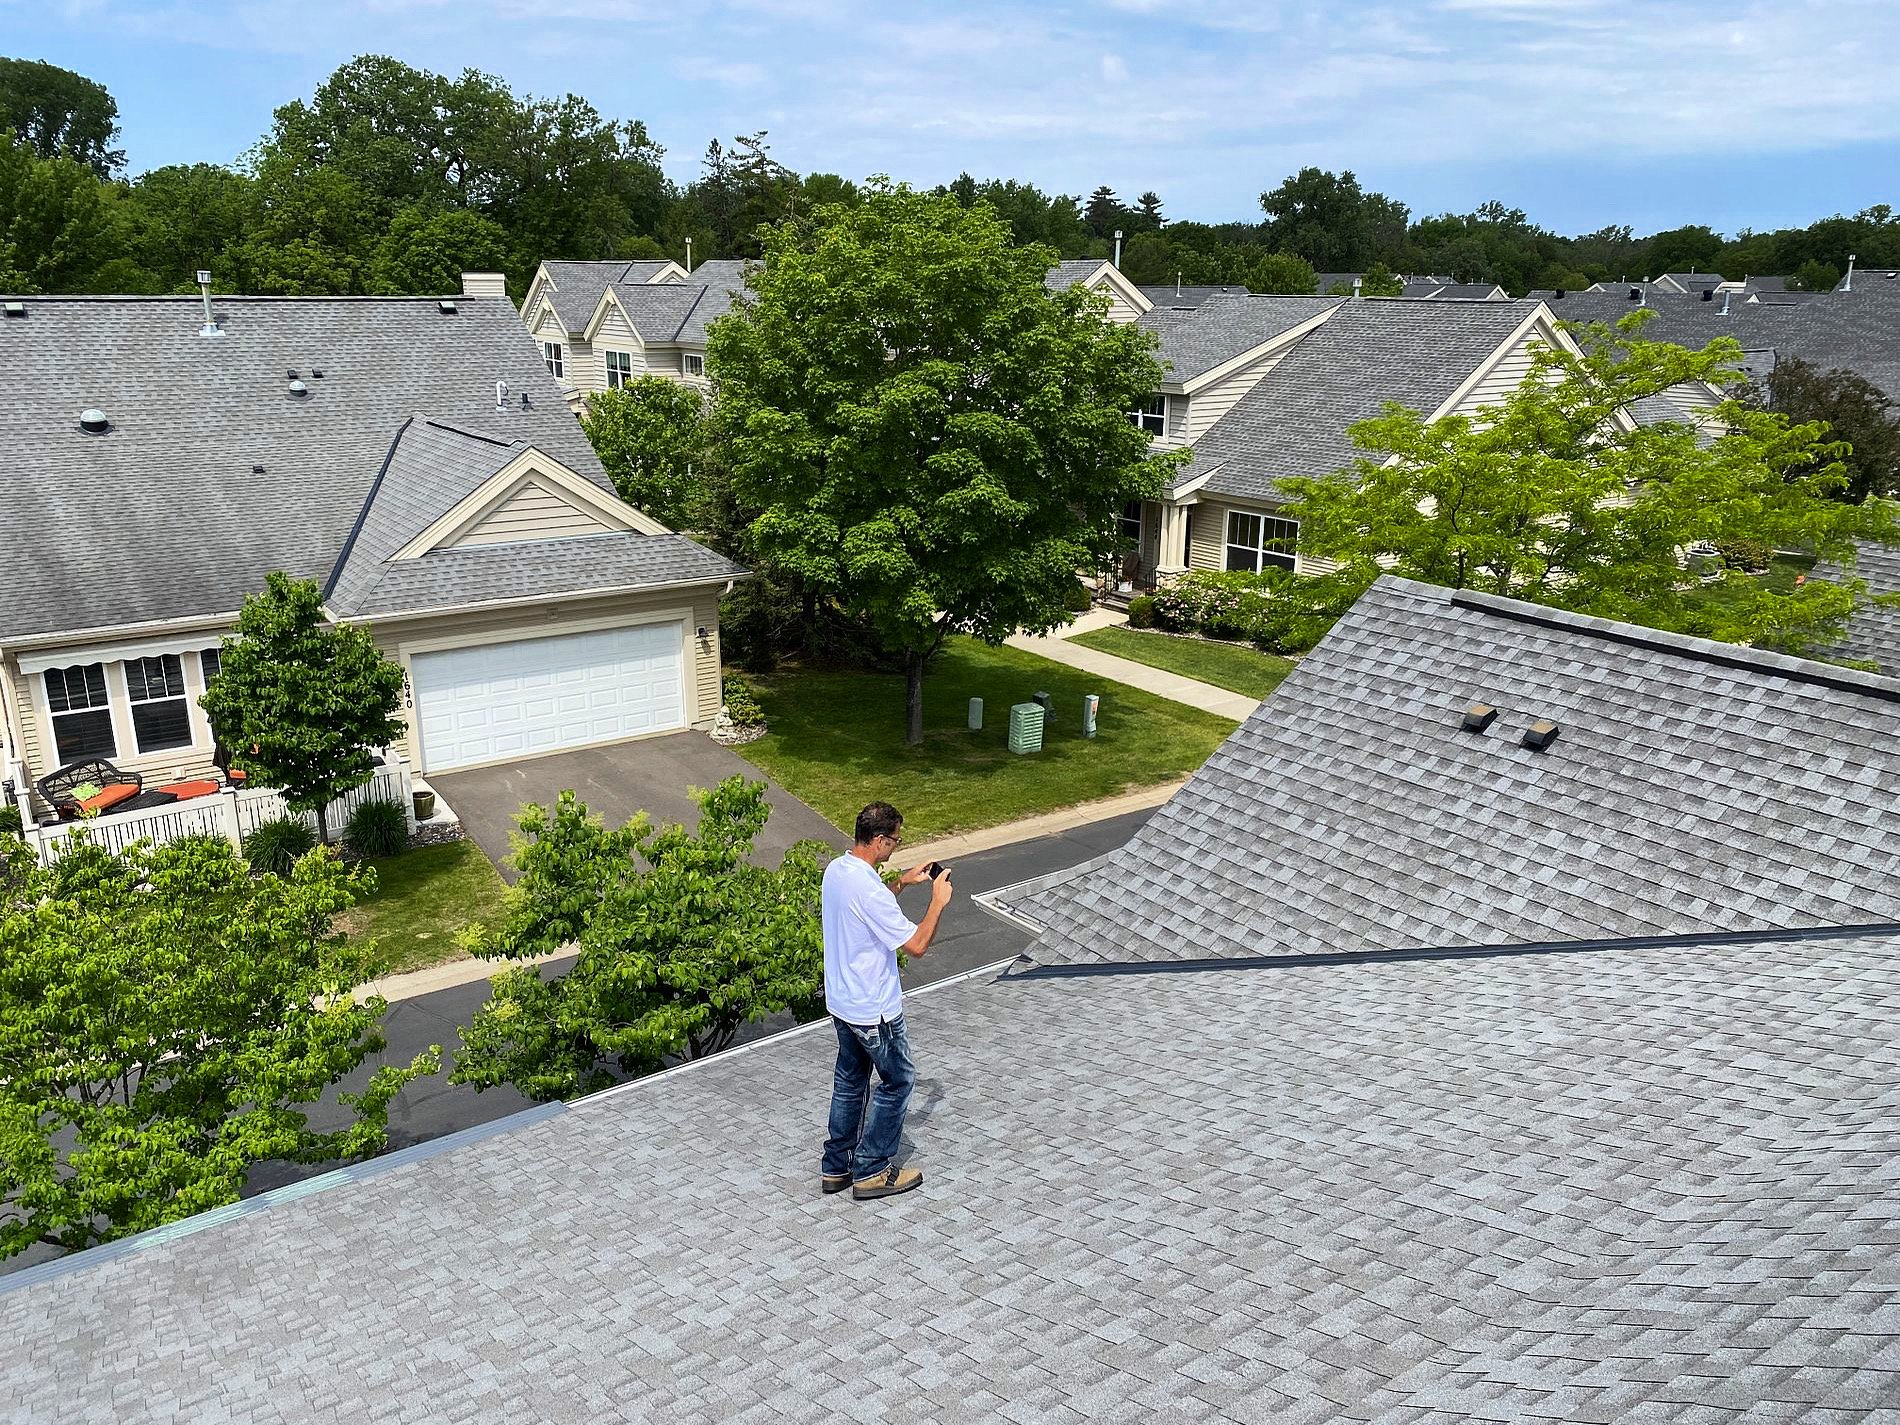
(427, 252)
(924, 429)
(1548, 497)
(651, 436)
(1332, 222)
(56, 221)
(683, 942)
(302, 703)
(1856, 412)
(166, 1021)
(59, 113)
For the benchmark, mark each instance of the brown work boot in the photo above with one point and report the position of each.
(888, 1183)
(834, 1182)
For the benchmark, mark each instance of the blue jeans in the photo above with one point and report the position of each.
(861, 1145)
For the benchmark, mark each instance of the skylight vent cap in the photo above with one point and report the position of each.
(446, 306)
(16, 309)
(93, 421)
(297, 390)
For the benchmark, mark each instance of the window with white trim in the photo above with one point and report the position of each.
(1131, 523)
(551, 353)
(160, 714)
(692, 364)
(1151, 415)
(619, 369)
(1256, 542)
(82, 715)
(210, 660)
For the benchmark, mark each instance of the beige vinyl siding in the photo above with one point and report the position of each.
(540, 621)
(170, 764)
(1500, 381)
(580, 366)
(1209, 405)
(1178, 407)
(548, 327)
(535, 511)
(1120, 309)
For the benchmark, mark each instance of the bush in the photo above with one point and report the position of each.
(10, 822)
(1744, 553)
(277, 844)
(377, 827)
(742, 705)
(1141, 612)
(1219, 603)
(1080, 599)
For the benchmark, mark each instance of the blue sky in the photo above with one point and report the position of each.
(1758, 113)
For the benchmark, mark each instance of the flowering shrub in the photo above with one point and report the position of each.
(1274, 610)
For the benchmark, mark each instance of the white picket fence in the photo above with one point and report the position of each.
(231, 814)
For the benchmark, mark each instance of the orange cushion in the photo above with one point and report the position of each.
(111, 796)
(184, 791)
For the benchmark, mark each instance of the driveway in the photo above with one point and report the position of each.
(617, 781)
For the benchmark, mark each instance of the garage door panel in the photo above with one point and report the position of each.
(543, 694)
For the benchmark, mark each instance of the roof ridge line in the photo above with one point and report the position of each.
(440, 424)
(1704, 650)
(362, 515)
(1322, 958)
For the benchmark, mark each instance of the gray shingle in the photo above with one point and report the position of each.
(545, 568)
(164, 518)
(1072, 270)
(1873, 633)
(1617, 1186)
(1294, 422)
(1854, 331)
(1184, 296)
(575, 287)
(1693, 787)
(1196, 339)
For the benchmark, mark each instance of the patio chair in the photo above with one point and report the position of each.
(221, 759)
(115, 787)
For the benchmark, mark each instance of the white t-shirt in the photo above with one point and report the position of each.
(863, 928)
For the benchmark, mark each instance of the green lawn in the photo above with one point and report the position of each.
(1234, 666)
(423, 899)
(837, 741)
(1780, 577)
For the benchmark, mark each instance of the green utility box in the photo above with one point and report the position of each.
(1025, 727)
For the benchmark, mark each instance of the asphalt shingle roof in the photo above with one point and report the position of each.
(1634, 1184)
(164, 517)
(1295, 421)
(1183, 296)
(1194, 340)
(1071, 270)
(1836, 331)
(681, 311)
(1692, 787)
(576, 286)
(1873, 632)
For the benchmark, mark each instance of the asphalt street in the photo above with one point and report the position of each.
(968, 938)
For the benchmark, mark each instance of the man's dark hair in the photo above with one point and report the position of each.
(878, 819)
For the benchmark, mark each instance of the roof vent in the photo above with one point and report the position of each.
(290, 375)
(1479, 716)
(1540, 734)
(93, 421)
(297, 390)
(1636, 294)
(446, 306)
(257, 469)
(316, 372)
(524, 402)
(1708, 294)
(16, 309)
(1560, 294)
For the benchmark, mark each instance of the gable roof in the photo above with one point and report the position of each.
(1368, 352)
(1455, 292)
(679, 311)
(1837, 331)
(1196, 339)
(165, 517)
(1693, 787)
(1602, 1186)
(574, 287)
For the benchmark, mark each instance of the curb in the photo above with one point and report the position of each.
(1029, 828)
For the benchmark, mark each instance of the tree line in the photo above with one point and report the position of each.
(392, 179)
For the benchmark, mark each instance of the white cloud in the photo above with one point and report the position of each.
(1114, 68)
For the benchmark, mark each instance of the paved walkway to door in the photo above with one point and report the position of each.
(1057, 648)
(616, 781)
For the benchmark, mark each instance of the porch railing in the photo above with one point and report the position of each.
(233, 814)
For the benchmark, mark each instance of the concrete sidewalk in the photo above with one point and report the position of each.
(1057, 649)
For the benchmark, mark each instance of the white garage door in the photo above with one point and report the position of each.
(530, 695)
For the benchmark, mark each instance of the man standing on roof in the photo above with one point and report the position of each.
(864, 934)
